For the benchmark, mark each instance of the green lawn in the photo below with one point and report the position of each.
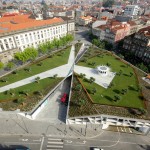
(42, 86)
(58, 59)
(77, 48)
(106, 96)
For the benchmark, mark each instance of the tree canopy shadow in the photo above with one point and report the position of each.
(116, 91)
(108, 98)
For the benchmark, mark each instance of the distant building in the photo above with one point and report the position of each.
(84, 20)
(131, 10)
(79, 13)
(96, 31)
(70, 13)
(113, 31)
(139, 44)
(21, 31)
(105, 15)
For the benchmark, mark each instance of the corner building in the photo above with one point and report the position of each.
(21, 31)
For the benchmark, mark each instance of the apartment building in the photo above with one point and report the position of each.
(21, 31)
(131, 10)
(113, 31)
(139, 44)
(84, 20)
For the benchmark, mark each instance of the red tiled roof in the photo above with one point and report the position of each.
(21, 22)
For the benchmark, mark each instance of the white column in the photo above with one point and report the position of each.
(4, 44)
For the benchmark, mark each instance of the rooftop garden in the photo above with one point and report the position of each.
(124, 96)
(50, 62)
(120, 92)
(27, 96)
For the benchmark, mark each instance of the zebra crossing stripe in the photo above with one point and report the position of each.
(54, 142)
(55, 146)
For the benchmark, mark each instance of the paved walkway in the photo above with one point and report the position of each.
(103, 81)
(61, 71)
(54, 111)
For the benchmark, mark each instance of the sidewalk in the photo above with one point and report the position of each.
(61, 71)
(24, 126)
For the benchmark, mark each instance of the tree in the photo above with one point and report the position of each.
(1, 65)
(20, 100)
(5, 79)
(78, 87)
(55, 76)
(143, 111)
(117, 98)
(91, 80)
(30, 53)
(10, 65)
(96, 42)
(38, 93)
(25, 92)
(94, 90)
(11, 92)
(81, 102)
(37, 79)
(131, 74)
(142, 67)
(43, 48)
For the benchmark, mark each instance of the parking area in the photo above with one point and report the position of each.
(123, 129)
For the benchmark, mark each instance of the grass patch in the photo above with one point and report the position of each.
(58, 59)
(77, 48)
(31, 93)
(125, 80)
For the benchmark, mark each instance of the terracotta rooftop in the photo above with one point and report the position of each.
(21, 22)
(87, 17)
(145, 31)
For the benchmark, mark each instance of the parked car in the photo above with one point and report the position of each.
(64, 98)
(96, 148)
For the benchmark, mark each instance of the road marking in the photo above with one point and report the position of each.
(24, 140)
(81, 142)
(38, 140)
(42, 143)
(125, 129)
(68, 141)
(55, 146)
(130, 130)
(55, 142)
(54, 139)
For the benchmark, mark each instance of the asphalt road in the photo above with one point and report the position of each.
(107, 140)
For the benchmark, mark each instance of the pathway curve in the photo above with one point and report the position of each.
(103, 81)
(61, 71)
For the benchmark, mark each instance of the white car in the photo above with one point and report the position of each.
(96, 148)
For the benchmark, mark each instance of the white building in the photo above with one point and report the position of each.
(84, 20)
(131, 10)
(21, 32)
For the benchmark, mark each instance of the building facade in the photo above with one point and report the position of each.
(131, 10)
(139, 44)
(113, 31)
(31, 34)
(84, 20)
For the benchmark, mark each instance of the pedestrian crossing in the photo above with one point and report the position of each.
(54, 144)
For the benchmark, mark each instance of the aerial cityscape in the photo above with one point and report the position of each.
(74, 74)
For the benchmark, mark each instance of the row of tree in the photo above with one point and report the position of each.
(31, 53)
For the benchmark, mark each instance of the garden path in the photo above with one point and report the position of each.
(61, 71)
(103, 81)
